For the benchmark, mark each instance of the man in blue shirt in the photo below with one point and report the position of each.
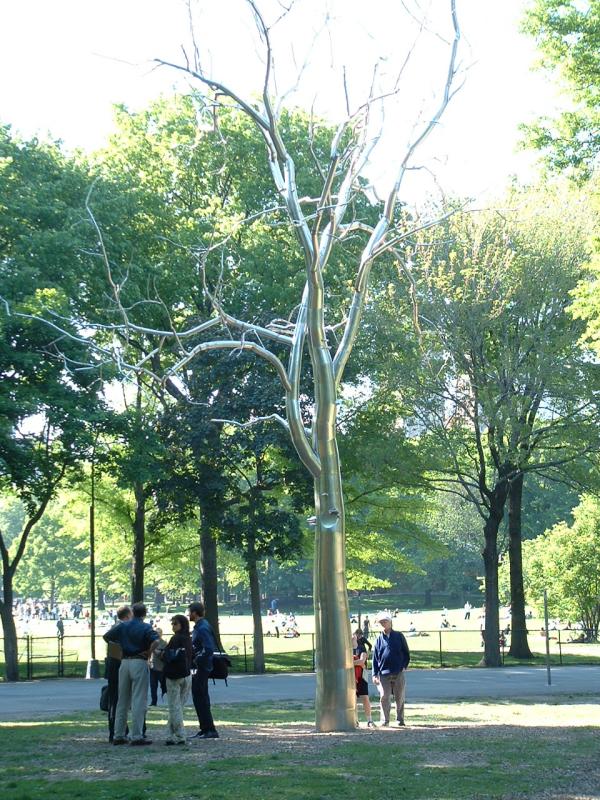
(204, 646)
(113, 665)
(137, 640)
(391, 658)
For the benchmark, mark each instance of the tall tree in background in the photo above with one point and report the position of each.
(44, 412)
(492, 384)
(262, 519)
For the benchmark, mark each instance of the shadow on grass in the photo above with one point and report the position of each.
(258, 762)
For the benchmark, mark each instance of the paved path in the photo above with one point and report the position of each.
(52, 697)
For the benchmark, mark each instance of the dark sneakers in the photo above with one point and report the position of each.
(205, 735)
(120, 741)
(140, 742)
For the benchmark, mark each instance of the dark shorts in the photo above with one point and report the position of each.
(362, 688)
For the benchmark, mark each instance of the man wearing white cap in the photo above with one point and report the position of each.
(391, 658)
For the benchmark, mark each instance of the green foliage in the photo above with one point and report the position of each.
(565, 561)
(57, 562)
(494, 374)
(567, 32)
(384, 513)
(48, 405)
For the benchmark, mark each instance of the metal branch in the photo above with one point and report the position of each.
(268, 418)
(292, 399)
(377, 237)
(219, 87)
(228, 344)
(447, 95)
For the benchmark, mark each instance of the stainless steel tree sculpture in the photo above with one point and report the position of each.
(317, 446)
(319, 232)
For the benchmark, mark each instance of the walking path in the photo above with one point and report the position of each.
(48, 698)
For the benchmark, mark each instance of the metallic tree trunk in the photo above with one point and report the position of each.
(336, 689)
(335, 698)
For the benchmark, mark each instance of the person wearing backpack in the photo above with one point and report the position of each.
(204, 646)
(177, 659)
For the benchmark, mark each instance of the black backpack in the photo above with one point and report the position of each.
(104, 698)
(221, 665)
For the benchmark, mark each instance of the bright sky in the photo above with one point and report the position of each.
(66, 62)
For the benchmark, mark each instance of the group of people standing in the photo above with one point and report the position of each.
(186, 660)
(391, 657)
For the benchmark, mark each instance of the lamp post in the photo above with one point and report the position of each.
(548, 673)
(93, 667)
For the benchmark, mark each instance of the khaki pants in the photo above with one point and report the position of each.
(392, 685)
(133, 691)
(178, 690)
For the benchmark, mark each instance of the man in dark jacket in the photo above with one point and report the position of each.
(391, 658)
(204, 645)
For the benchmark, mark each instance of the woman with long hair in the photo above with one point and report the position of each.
(177, 657)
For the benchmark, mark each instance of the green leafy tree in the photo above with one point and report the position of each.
(57, 563)
(491, 383)
(565, 561)
(45, 407)
(385, 513)
(567, 32)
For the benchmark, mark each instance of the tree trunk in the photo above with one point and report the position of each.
(335, 698)
(208, 573)
(259, 650)
(491, 636)
(519, 646)
(11, 649)
(139, 543)
(101, 602)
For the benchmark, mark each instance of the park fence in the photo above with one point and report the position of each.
(68, 656)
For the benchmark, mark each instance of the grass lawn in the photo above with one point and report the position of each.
(447, 752)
